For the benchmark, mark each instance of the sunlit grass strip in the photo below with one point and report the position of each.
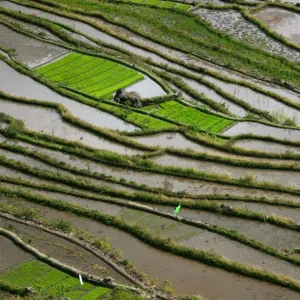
(92, 75)
(190, 116)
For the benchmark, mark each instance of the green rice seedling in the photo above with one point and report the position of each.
(92, 75)
(190, 116)
(51, 282)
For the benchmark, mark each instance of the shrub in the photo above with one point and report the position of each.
(63, 225)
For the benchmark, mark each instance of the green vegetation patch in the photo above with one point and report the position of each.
(50, 282)
(190, 116)
(92, 75)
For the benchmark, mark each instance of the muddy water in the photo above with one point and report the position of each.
(45, 167)
(178, 141)
(263, 130)
(286, 212)
(63, 250)
(102, 207)
(267, 234)
(11, 255)
(30, 161)
(14, 83)
(285, 178)
(48, 121)
(71, 160)
(231, 22)
(89, 30)
(30, 51)
(284, 22)
(4, 171)
(195, 187)
(266, 146)
(187, 277)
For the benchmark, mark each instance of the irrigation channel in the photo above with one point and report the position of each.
(152, 146)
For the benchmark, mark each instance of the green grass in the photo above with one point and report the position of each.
(190, 116)
(92, 75)
(51, 282)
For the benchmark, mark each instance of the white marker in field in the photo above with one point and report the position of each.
(80, 278)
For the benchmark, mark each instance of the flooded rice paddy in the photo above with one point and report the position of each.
(268, 210)
(232, 22)
(285, 178)
(270, 235)
(48, 121)
(211, 94)
(171, 183)
(263, 130)
(178, 141)
(266, 146)
(284, 22)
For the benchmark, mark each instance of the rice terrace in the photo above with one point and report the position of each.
(150, 149)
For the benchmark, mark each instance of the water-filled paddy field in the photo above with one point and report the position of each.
(152, 145)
